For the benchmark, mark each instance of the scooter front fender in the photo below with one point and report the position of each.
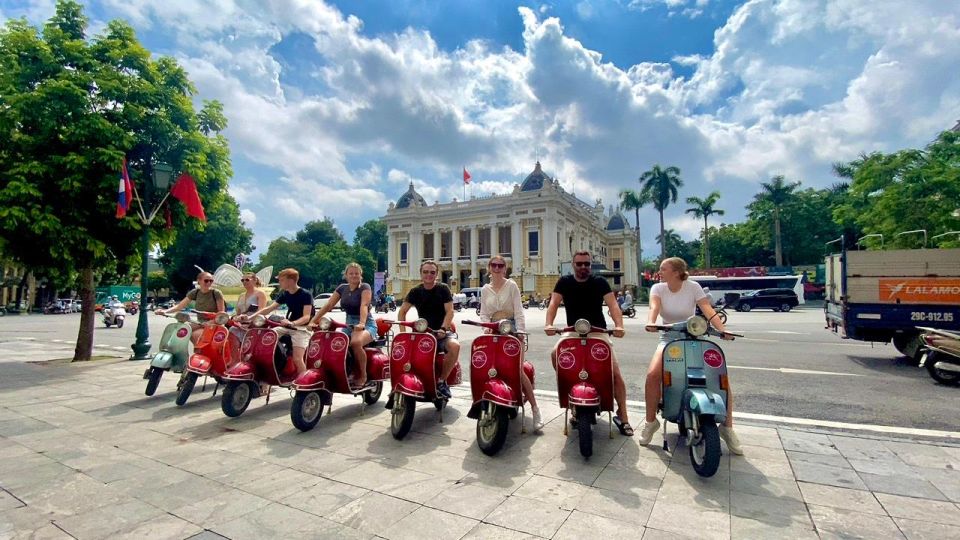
(584, 395)
(199, 364)
(162, 360)
(310, 380)
(700, 401)
(410, 385)
(244, 371)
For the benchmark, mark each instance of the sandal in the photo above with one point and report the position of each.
(624, 427)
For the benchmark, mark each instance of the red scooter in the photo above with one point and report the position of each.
(266, 357)
(585, 380)
(328, 360)
(217, 350)
(415, 365)
(496, 361)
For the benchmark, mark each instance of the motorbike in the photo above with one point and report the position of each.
(415, 365)
(266, 358)
(585, 380)
(328, 360)
(496, 361)
(627, 310)
(134, 306)
(694, 389)
(114, 315)
(215, 352)
(174, 351)
(940, 355)
(720, 310)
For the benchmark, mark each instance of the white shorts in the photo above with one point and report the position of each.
(299, 336)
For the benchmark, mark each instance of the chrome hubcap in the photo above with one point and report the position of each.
(311, 406)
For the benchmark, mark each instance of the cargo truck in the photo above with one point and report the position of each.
(124, 293)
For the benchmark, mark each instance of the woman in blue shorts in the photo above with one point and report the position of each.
(354, 297)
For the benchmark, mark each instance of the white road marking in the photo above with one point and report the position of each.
(785, 332)
(797, 371)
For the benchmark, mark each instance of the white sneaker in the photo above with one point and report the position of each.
(537, 420)
(730, 437)
(649, 429)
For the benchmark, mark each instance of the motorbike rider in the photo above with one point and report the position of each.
(434, 302)
(299, 304)
(674, 300)
(627, 298)
(500, 299)
(354, 297)
(251, 299)
(582, 293)
(205, 298)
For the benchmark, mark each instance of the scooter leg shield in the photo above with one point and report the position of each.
(162, 360)
(199, 364)
(700, 402)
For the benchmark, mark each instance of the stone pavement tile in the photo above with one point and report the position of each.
(26, 523)
(429, 523)
(24, 461)
(439, 465)
(224, 506)
(169, 497)
(505, 481)
(694, 492)
(656, 534)
(10, 449)
(831, 476)
(159, 528)
(631, 482)
(755, 484)
(119, 470)
(910, 486)
(759, 436)
(857, 448)
(924, 530)
(924, 455)
(325, 464)
(380, 477)
(772, 527)
(17, 429)
(74, 496)
(621, 507)
(765, 508)
(420, 491)
(485, 531)
(568, 469)
(580, 525)
(837, 461)
(324, 497)
(278, 486)
(635, 458)
(837, 523)
(925, 509)
(763, 452)
(684, 519)
(373, 513)
(24, 481)
(529, 516)
(282, 522)
(811, 443)
(8, 501)
(855, 500)
(882, 467)
(559, 493)
(207, 535)
(947, 481)
(103, 522)
(774, 468)
(468, 500)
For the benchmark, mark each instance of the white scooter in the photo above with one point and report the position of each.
(114, 315)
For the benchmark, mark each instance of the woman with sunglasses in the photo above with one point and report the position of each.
(251, 299)
(500, 299)
(205, 298)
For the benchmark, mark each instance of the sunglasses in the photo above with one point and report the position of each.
(208, 281)
(246, 279)
(582, 264)
(428, 272)
(498, 265)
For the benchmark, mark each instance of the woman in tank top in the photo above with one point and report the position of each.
(251, 299)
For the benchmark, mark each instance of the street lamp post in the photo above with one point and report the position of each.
(155, 177)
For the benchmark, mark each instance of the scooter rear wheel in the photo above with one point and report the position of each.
(492, 428)
(235, 398)
(705, 455)
(585, 430)
(306, 410)
(372, 396)
(401, 419)
(939, 375)
(153, 381)
(186, 387)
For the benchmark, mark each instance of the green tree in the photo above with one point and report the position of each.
(704, 208)
(738, 244)
(662, 186)
(70, 111)
(635, 200)
(372, 236)
(286, 253)
(319, 232)
(777, 194)
(158, 281)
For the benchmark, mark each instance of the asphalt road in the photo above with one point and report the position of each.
(787, 365)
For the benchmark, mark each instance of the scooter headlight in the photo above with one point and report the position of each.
(259, 321)
(696, 326)
(325, 323)
(420, 325)
(505, 327)
(182, 317)
(582, 326)
(221, 318)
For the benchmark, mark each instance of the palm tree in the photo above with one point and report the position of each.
(703, 208)
(670, 238)
(777, 193)
(661, 185)
(635, 200)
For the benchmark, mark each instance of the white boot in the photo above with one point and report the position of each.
(733, 442)
(537, 421)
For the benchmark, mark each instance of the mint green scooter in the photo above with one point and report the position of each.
(174, 351)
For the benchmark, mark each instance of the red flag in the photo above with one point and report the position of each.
(466, 176)
(185, 189)
(125, 191)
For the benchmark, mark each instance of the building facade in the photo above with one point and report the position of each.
(536, 228)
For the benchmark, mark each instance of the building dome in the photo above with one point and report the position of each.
(617, 223)
(410, 198)
(535, 180)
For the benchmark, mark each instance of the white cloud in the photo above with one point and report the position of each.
(248, 216)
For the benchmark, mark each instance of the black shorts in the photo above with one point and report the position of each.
(442, 342)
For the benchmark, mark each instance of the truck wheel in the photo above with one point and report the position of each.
(745, 307)
(943, 377)
(492, 429)
(153, 380)
(705, 455)
(186, 387)
(784, 307)
(585, 431)
(306, 409)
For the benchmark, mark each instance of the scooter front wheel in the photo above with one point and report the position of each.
(306, 409)
(401, 419)
(705, 454)
(119, 323)
(153, 380)
(186, 387)
(492, 428)
(585, 430)
(235, 398)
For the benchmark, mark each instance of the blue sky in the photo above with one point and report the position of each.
(336, 106)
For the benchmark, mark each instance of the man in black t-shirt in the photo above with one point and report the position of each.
(299, 304)
(434, 302)
(583, 296)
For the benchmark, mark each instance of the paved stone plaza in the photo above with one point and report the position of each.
(84, 454)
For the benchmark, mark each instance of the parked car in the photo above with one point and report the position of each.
(321, 300)
(775, 299)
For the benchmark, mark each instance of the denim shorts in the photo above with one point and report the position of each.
(667, 337)
(354, 320)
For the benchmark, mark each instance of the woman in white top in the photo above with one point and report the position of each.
(251, 299)
(675, 299)
(500, 299)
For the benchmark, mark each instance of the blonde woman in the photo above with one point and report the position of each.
(251, 299)
(675, 299)
(500, 299)
(355, 297)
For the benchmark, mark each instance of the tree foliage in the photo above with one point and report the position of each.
(372, 236)
(662, 187)
(704, 208)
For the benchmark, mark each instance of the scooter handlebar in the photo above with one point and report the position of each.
(593, 330)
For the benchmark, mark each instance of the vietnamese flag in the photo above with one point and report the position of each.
(466, 176)
(124, 192)
(185, 189)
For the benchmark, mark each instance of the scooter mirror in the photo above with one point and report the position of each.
(221, 319)
(505, 327)
(182, 317)
(696, 326)
(420, 325)
(325, 324)
(259, 321)
(582, 326)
